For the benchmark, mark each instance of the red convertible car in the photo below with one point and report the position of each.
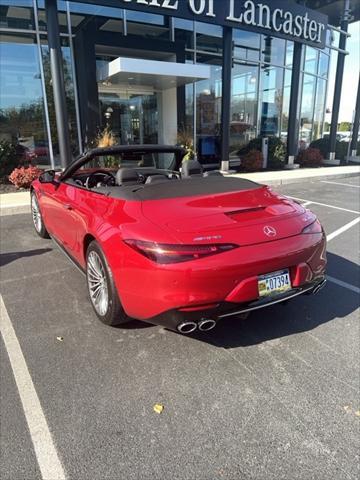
(164, 242)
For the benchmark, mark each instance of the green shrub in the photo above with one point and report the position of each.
(276, 151)
(341, 150)
(323, 144)
(8, 159)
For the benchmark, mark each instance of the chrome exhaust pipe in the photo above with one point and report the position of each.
(207, 324)
(186, 327)
(319, 286)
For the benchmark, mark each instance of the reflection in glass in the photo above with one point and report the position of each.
(21, 98)
(319, 109)
(61, 16)
(132, 116)
(184, 32)
(285, 114)
(17, 14)
(323, 65)
(307, 110)
(273, 50)
(287, 78)
(243, 106)
(246, 44)
(189, 109)
(208, 37)
(69, 95)
(310, 64)
(272, 94)
(147, 25)
(208, 114)
(289, 53)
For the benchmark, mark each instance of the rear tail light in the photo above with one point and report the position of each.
(314, 227)
(166, 253)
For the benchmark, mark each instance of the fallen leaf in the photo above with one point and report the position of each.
(60, 339)
(158, 408)
(357, 413)
(347, 408)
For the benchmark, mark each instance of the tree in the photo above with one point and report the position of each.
(345, 127)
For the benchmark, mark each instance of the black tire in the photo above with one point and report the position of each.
(114, 313)
(37, 218)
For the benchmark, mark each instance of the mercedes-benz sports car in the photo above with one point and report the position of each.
(164, 242)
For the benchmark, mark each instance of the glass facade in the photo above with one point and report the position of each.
(94, 35)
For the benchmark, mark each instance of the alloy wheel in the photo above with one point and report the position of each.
(36, 215)
(97, 283)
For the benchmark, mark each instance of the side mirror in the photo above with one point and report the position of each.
(47, 177)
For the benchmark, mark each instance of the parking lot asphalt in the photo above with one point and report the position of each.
(275, 396)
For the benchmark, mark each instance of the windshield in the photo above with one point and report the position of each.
(157, 160)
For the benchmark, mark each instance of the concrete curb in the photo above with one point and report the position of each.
(284, 181)
(283, 177)
(13, 203)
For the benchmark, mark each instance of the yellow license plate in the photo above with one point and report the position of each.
(275, 282)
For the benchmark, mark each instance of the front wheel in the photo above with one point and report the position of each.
(37, 217)
(102, 291)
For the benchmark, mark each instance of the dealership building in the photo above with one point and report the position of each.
(216, 72)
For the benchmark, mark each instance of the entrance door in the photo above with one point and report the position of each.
(131, 116)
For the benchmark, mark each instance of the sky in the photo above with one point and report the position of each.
(351, 76)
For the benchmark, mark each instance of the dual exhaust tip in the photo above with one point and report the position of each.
(204, 325)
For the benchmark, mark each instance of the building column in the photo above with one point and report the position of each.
(226, 98)
(355, 129)
(338, 82)
(85, 60)
(294, 107)
(57, 76)
(181, 93)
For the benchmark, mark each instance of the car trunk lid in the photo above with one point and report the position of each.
(247, 217)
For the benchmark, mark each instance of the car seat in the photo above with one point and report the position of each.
(127, 176)
(191, 168)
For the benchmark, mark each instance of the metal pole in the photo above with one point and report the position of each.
(338, 81)
(58, 83)
(355, 130)
(294, 124)
(226, 98)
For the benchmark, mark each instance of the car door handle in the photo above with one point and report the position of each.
(68, 206)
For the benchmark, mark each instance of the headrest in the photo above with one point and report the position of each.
(191, 167)
(127, 176)
(156, 179)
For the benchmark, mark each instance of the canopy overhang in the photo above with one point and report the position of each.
(153, 73)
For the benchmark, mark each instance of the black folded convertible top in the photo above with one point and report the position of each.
(179, 188)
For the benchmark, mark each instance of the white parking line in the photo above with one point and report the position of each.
(343, 284)
(305, 204)
(342, 229)
(343, 184)
(45, 451)
(326, 205)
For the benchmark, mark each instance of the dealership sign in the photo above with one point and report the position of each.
(282, 18)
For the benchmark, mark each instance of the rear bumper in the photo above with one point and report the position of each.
(173, 318)
(230, 279)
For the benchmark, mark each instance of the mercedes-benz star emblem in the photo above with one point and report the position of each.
(269, 231)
